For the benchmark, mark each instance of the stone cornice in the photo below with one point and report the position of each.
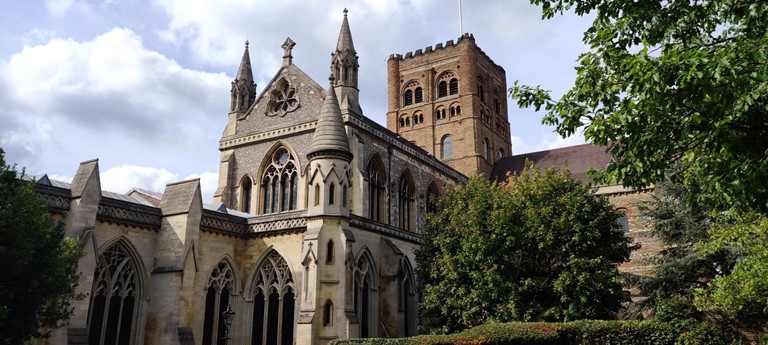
(229, 143)
(384, 229)
(123, 212)
(57, 199)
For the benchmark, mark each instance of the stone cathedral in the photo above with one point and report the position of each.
(313, 228)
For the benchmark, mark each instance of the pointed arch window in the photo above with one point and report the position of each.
(246, 187)
(114, 298)
(328, 313)
(486, 148)
(377, 209)
(501, 154)
(329, 252)
(217, 298)
(274, 299)
(406, 299)
(365, 297)
(447, 147)
(279, 186)
(331, 194)
(407, 202)
(433, 194)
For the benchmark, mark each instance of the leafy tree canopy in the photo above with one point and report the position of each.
(542, 248)
(671, 80)
(39, 263)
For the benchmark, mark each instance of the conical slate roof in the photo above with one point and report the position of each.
(330, 136)
(244, 72)
(345, 37)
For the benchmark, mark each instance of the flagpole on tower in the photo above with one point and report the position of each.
(461, 26)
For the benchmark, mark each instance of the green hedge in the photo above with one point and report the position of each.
(539, 333)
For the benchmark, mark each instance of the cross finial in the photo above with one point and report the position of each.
(246, 44)
(288, 47)
(345, 11)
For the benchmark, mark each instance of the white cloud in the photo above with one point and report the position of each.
(123, 178)
(58, 7)
(547, 142)
(209, 182)
(110, 86)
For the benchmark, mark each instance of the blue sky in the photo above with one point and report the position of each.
(143, 85)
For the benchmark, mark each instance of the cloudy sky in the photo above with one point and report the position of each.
(143, 85)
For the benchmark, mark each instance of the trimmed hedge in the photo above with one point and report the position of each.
(541, 333)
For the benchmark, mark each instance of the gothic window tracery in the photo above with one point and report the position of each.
(217, 298)
(114, 298)
(279, 186)
(274, 299)
(376, 190)
(283, 99)
(364, 295)
(433, 194)
(407, 202)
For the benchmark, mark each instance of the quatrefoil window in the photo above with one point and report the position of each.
(283, 99)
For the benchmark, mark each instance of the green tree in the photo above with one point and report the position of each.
(543, 247)
(744, 292)
(671, 80)
(680, 223)
(40, 263)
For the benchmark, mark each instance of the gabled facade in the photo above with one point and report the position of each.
(318, 212)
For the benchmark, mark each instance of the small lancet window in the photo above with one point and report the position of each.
(328, 313)
(329, 253)
(331, 194)
(317, 194)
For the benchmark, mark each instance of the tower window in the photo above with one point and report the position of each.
(328, 313)
(454, 86)
(413, 93)
(442, 89)
(447, 145)
(331, 194)
(486, 148)
(245, 196)
(418, 95)
(408, 97)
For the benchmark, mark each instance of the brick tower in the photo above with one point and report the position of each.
(450, 100)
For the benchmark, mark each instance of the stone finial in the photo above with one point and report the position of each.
(287, 51)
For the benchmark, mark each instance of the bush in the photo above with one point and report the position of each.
(542, 333)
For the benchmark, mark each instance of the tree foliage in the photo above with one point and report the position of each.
(541, 248)
(679, 222)
(671, 80)
(743, 292)
(40, 263)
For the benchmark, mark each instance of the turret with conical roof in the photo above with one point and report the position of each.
(243, 88)
(329, 156)
(330, 137)
(344, 68)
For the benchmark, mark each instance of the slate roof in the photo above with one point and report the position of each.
(578, 159)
